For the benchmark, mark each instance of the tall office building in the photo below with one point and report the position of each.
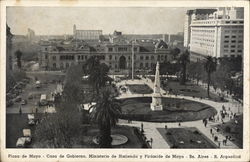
(214, 32)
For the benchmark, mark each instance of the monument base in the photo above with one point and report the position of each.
(156, 107)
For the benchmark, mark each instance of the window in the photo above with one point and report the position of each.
(226, 36)
(233, 41)
(240, 41)
(152, 57)
(146, 65)
(110, 57)
(226, 41)
(54, 65)
(233, 36)
(110, 49)
(79, 57)
(67, 65)
(46, 56)
(61, 66)
(158, 58)
(239, 50)
(121, 49)
(54, 58)
(128, 57)
(225, 46)
(141, 65)
(141, 57)
(232, 50)
(147, 57)
(86, 57)
(232, 46)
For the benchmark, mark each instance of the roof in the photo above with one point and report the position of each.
(204, 11)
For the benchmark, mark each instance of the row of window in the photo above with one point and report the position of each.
(232, 50)
(233, 41)
(232, 46)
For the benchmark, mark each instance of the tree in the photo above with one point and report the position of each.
(175, 51)
(60, 129)
(105, 113)
(18, 55)
(98, 73)
(210, 67)
(183, 61)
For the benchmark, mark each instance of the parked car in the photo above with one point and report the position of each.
(31, 119)
(21, 142)
(27, 136)
(24, 102)
(18, 99)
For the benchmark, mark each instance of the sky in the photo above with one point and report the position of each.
(129, 20)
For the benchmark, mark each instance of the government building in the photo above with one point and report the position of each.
(114, 50)
(214, 32)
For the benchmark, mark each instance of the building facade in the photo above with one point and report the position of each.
(118, 55)
(216, 33)
(86, 34)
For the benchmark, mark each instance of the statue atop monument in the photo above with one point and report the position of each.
(156, 104)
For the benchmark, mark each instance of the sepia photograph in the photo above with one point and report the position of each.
(119, 82)
(172, 81)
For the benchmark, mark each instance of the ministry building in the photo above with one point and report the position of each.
(214, 32)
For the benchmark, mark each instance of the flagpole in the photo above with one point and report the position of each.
(133, 60)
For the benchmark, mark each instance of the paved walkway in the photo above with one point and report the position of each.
(150, 128)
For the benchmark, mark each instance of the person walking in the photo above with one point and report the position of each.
(20, 110)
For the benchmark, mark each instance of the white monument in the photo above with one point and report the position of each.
(156, 104)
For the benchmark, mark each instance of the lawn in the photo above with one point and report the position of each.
(174, 109)
(189, 89)
(185, 138)
(140, 89)
(15, 124)
(234, 130)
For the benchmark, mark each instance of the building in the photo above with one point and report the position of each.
(86, 34)
(9, 57)
(214, 32)
(117, 54)
(31, 35)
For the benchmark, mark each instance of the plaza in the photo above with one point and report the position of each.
(95, 90)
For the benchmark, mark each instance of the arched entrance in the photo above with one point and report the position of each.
(122, 62)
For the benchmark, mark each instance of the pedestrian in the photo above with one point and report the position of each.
(211, 130)
(20, 110)
(142, 128)
(179, 124)
(36, 110)
(219, 144)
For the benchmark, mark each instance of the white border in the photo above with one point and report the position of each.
(74, 3)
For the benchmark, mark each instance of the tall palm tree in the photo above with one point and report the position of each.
(98, 76)
(105, 113)
(183, 61)
(210, 67)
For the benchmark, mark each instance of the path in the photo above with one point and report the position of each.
(150, 128)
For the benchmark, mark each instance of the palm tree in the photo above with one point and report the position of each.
(98, 75)
(18, 55)
(210, 67)
(183, 61)
(105, 113)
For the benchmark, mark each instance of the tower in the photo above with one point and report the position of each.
(156, 104)
(74, 31)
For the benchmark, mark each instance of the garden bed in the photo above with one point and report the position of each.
(184, 138)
